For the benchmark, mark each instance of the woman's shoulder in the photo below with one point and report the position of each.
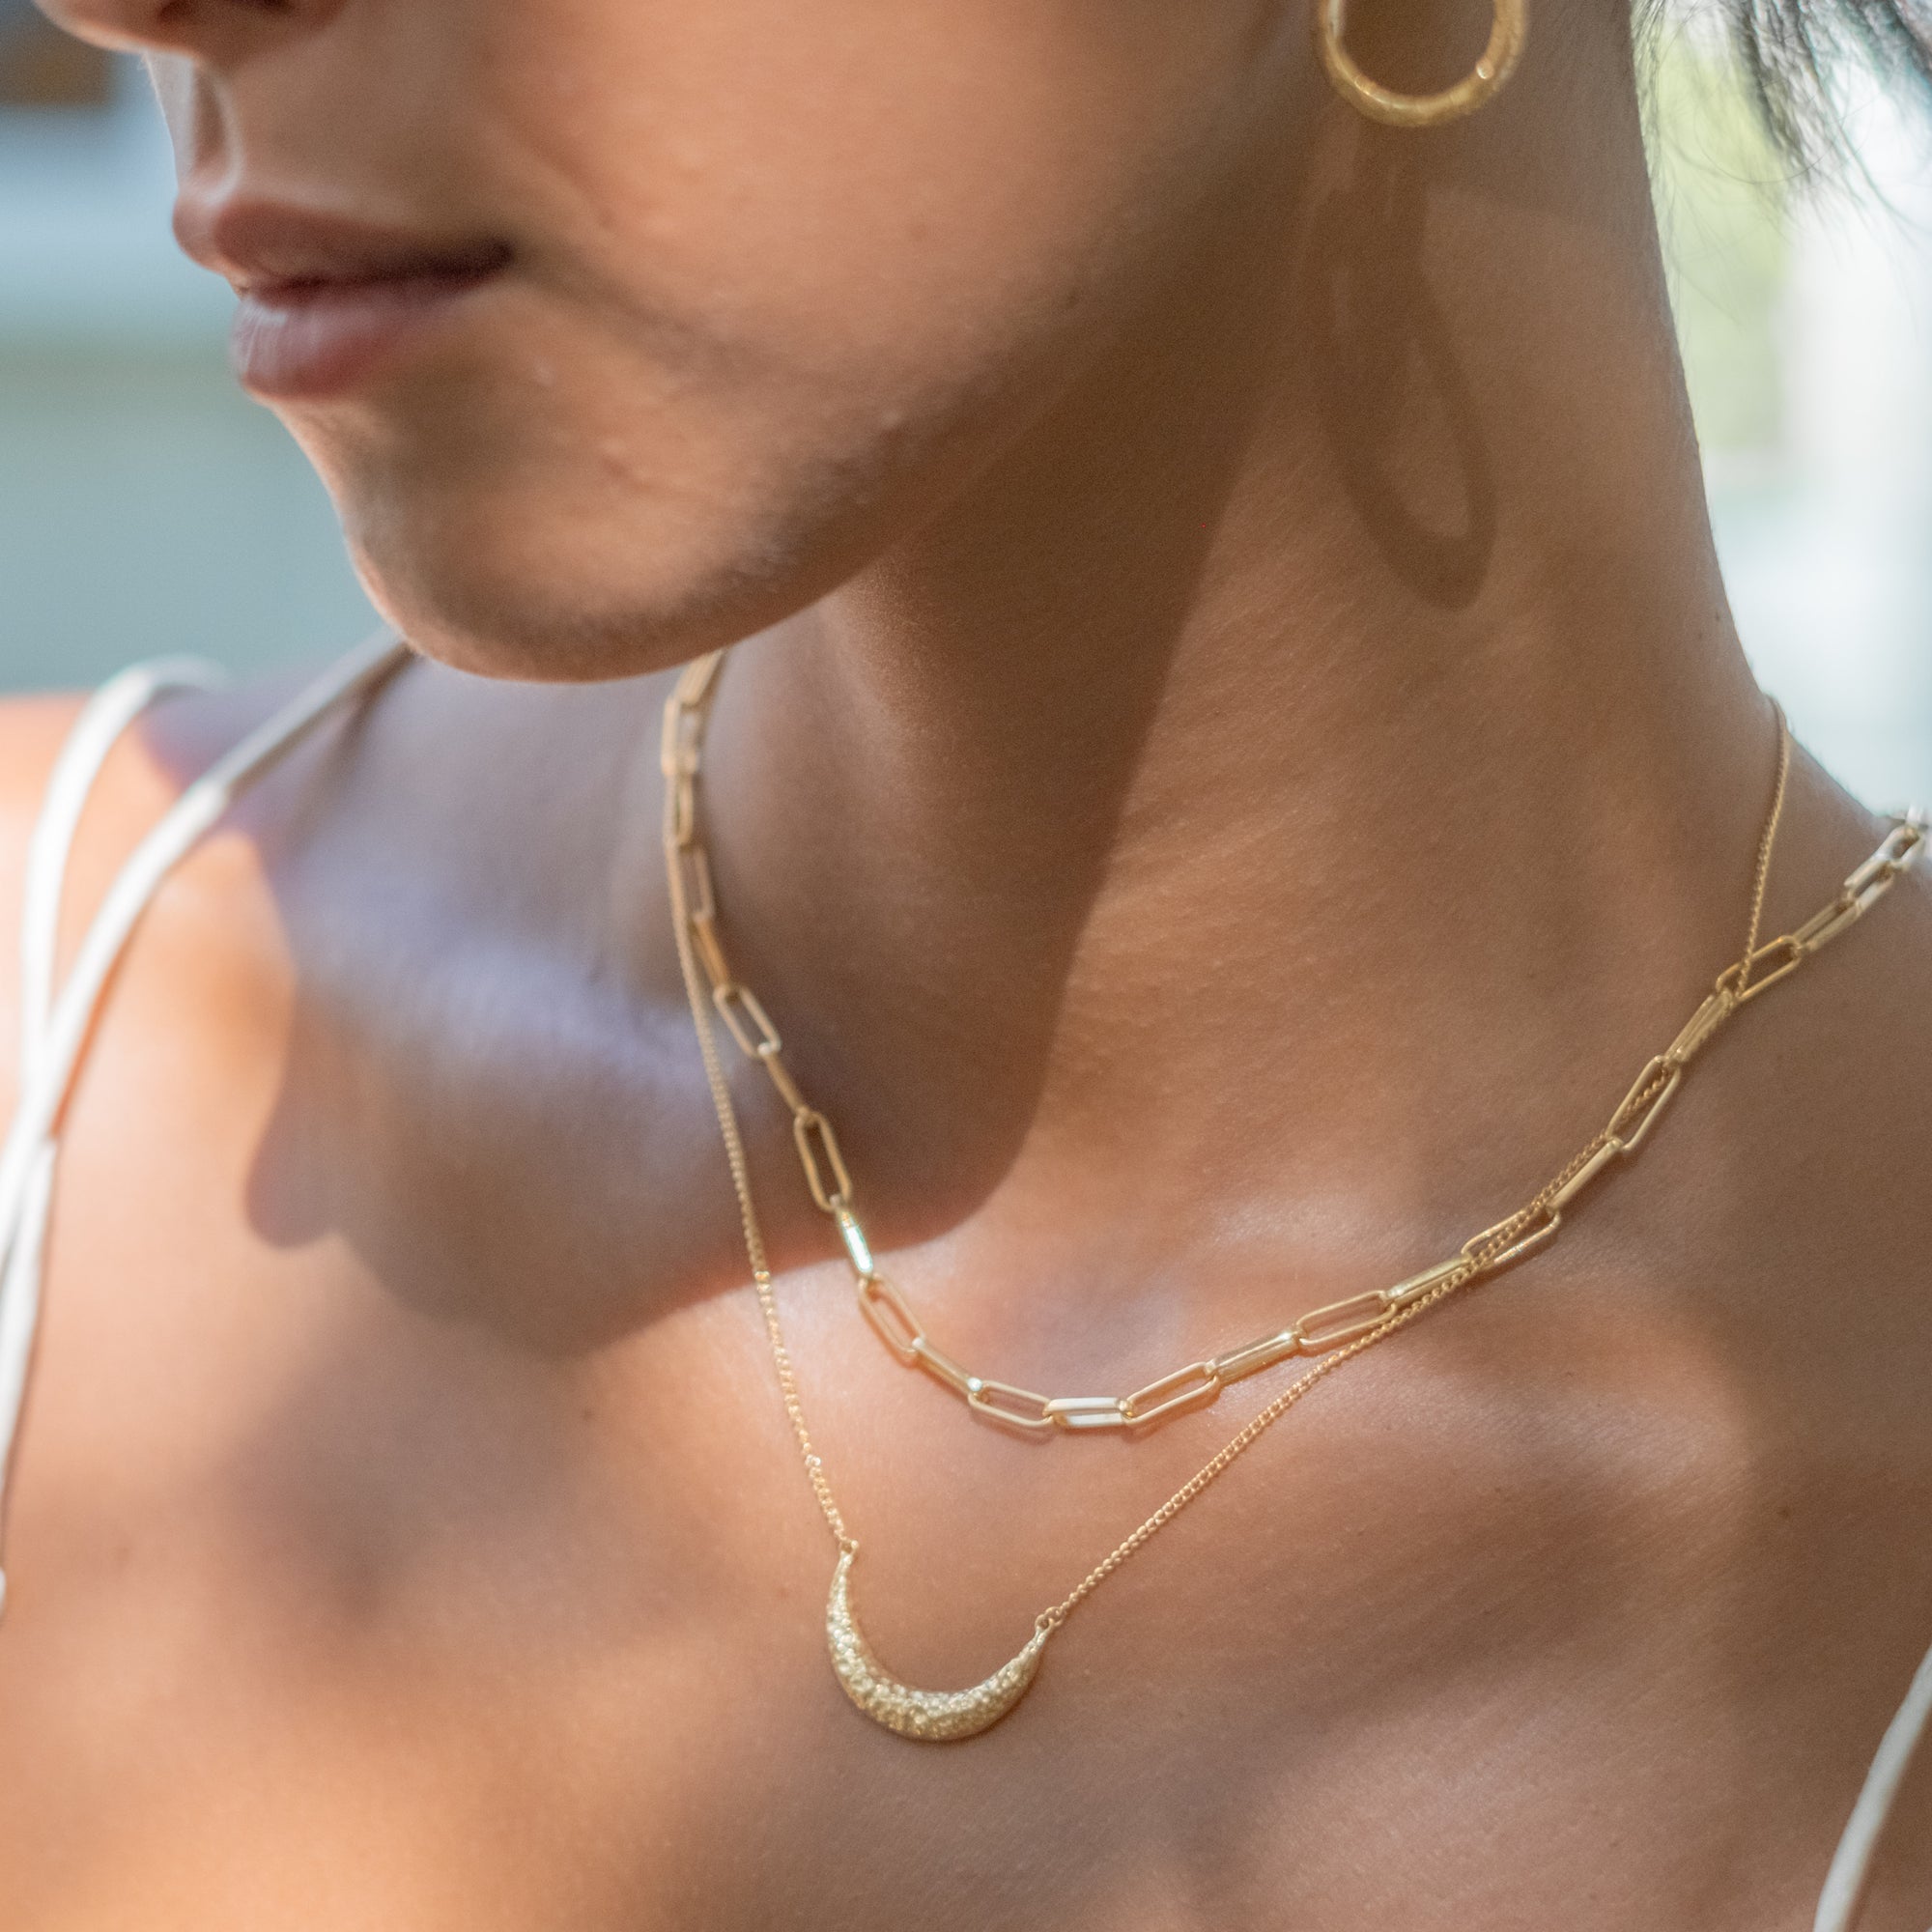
(32, 732)
(139, 760)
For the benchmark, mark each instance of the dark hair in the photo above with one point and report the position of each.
(1791, 51)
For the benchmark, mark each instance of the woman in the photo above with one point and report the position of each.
(1233, 753)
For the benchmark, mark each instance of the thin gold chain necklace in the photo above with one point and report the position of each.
(1334, 1335)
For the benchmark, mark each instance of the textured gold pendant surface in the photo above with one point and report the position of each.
(936, 1717)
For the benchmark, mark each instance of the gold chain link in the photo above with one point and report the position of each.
(1336, 1333)
(1768, 839)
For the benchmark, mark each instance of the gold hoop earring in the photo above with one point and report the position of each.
(1508, 31)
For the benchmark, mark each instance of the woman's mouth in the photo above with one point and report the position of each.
(308, 339)
(328, 303)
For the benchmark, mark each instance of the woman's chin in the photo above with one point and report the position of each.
(507, 629)
(516, 605)
(574, 548)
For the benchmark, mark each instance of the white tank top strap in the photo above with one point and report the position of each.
(55, 1026)
(1851, 1863)
(100, 728)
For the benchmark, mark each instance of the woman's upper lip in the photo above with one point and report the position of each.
(264, 245)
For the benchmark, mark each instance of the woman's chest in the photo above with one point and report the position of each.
(329, 1618)
(341, 1598)
(216, 1762)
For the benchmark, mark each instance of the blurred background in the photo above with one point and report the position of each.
(147, 506)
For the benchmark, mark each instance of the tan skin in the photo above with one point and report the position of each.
(1241, 753)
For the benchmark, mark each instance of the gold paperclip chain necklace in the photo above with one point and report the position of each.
(1335, 1334)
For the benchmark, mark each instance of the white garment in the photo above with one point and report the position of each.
(55, 1028)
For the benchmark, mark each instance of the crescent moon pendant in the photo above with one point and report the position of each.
(936, 1717)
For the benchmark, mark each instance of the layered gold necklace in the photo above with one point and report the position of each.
(1326, 1337)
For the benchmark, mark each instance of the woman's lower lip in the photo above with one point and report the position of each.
(310, 340)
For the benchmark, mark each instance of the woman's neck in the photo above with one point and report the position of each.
(1316, 738)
